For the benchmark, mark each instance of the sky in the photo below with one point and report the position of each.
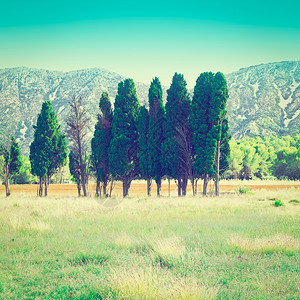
(144, 39)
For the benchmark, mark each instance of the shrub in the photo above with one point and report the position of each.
(243, 189)
(278, 203)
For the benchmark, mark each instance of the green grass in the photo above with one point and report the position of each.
(231, 247)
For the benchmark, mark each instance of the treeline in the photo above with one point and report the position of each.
(185, 140)
(265, 158)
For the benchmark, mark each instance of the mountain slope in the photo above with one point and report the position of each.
(22, 91)
(264, 100)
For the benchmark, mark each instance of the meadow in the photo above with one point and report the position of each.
(236, 246)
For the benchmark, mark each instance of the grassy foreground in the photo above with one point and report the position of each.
(232, 247)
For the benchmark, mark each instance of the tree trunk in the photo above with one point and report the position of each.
(158, 186)
(217, 177)
(79, 189)
(196, 186)
(169, 186)
(184, 185)
(97, 188)
(82, 173)
(6, 183)
(205, 184)
(111, 187)
(126, 185)
(41, 187)
(193, 185)
(47, 183)
(149, 186)
(105, 188)
(84, 189)
(46, 189)
(179, 186)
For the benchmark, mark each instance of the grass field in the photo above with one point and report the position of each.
(231, 247)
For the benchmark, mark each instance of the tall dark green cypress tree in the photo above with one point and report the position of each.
(200, 124)
(12, 162)
(210, 133)
(124, 146)
(48, 151)
(217, 117)
(143, 128)
(100, 143)
(155, 132)
(177, 148)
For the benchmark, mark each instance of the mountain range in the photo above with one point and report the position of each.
(264, 100)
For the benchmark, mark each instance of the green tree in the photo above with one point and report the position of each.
(177, 148)
(124, 146)
(250, 161)
(210, 127)
(11, 162)
(100, 144)
(24, 175)
(200, 124)
(155, 132)
(143, 128)
(218, 136)
(48, 151)
(74, 167)
(236, 159)
(287, 163)
(77, 130)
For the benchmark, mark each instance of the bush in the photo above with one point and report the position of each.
(243, 189)
(278, 203)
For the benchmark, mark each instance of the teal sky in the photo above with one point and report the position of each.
(143, 39)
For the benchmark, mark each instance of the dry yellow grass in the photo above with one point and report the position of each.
(275, 243)
(152, 283)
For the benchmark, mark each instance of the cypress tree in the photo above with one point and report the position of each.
(217, 117)
(48, 151)
(124, 148)
(143, 127)
(210, 133)
(177, 148)
(200, 124)
(100, 143)
(12, 162)
(155, 132)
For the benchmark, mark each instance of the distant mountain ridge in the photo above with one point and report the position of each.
(264, 100)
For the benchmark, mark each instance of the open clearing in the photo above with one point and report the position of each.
(139, 187)
(231, 247)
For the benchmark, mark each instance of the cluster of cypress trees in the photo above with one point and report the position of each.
(184, 140)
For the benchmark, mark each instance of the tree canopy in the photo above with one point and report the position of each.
(48, 151)
(124, 146)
